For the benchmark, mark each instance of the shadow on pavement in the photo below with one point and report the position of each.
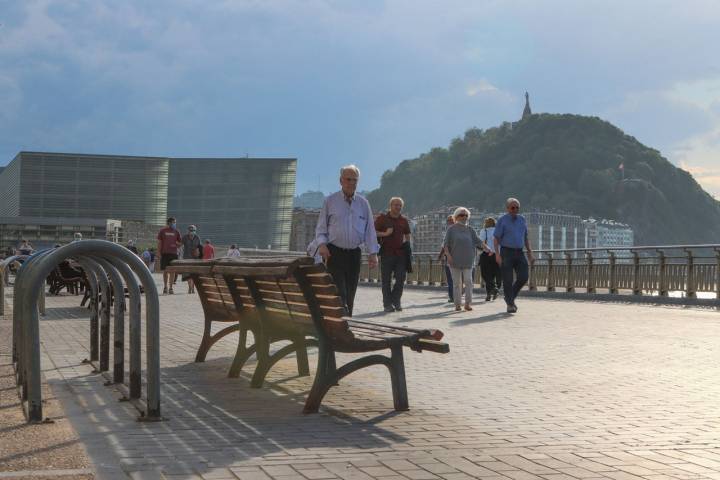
(484, 319)
(211, 418)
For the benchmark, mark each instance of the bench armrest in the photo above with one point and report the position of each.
(433, 346)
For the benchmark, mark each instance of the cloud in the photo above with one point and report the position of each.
(700, 155)
(480, 87)
(332, 82)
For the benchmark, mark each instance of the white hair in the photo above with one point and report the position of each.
(397, 199)
(512, 200)
(460, 210)
(350, 167)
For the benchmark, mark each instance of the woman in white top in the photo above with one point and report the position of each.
(233, 251)
(489, 268)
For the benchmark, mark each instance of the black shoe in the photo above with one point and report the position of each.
(511, 308)
(398, 307)
(450, 300)
(494, 295)
(389, 309)
(487, 297)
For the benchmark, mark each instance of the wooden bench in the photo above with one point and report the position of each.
(293, 299)
(226, 299)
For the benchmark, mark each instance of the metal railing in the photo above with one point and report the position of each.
(110, 268)
(681, 270)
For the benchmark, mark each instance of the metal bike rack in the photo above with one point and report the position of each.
(5, 276)
(109, 268)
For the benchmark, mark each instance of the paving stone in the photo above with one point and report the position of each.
(563, 389)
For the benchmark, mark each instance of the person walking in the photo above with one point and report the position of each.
(25, 248)
(233, 251)
(131, 246)
(460, 243)
(489, 268)
(345, 223)
(443, 258)
(146, 257)
(393, 231)
(192, 249)
(208, 250)
(152, 259)
(169, 241)
(510, 235)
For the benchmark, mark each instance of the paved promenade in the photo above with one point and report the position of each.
(561, 390)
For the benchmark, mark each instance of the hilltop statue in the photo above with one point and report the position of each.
(526, 112)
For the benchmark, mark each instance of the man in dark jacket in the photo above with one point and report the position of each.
(393, 231)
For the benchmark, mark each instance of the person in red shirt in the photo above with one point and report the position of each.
(168, 242)
(393, 231)
(208, 250)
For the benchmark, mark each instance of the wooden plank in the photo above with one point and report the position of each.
(277, 295)
(433, 346)
(331, 312)
(313, 269)
(253, 271)
(324, 289)
(330, 301)
(320, 279)
(261, 262)
(184, 269)
(431, 333)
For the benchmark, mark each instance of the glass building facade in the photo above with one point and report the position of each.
(246, 201)
(86, 186)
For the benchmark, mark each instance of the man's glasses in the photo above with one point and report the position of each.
(514, 207)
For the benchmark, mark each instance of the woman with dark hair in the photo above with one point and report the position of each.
(489, 268)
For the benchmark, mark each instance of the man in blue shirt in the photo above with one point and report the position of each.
(511, 235)
(345, 223)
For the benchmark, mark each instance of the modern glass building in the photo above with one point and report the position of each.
(85, 186)
(246, 201)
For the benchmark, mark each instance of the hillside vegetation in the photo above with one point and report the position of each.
(560, 162)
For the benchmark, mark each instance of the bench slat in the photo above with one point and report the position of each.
(320, 279)
(328, 312)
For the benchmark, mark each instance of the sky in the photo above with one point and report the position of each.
(368, 82)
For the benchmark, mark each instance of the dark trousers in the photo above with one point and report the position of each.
(490, 271)
(448, 276)
(392, 265)
(513, 261)
(344, 266)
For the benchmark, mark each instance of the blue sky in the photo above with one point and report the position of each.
(367, 82)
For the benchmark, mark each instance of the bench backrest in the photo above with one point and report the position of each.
(232, 287)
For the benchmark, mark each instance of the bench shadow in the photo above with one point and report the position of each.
(211, 418)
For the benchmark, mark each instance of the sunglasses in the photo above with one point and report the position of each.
(515, 207)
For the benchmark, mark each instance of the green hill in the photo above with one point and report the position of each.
(560, 162)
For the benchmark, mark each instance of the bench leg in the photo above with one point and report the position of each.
(325, 379)
(301, 356)
(397, 378)
(204, 343)
(241, 355)
(262, 350)
(209, 340)
(320, 384)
